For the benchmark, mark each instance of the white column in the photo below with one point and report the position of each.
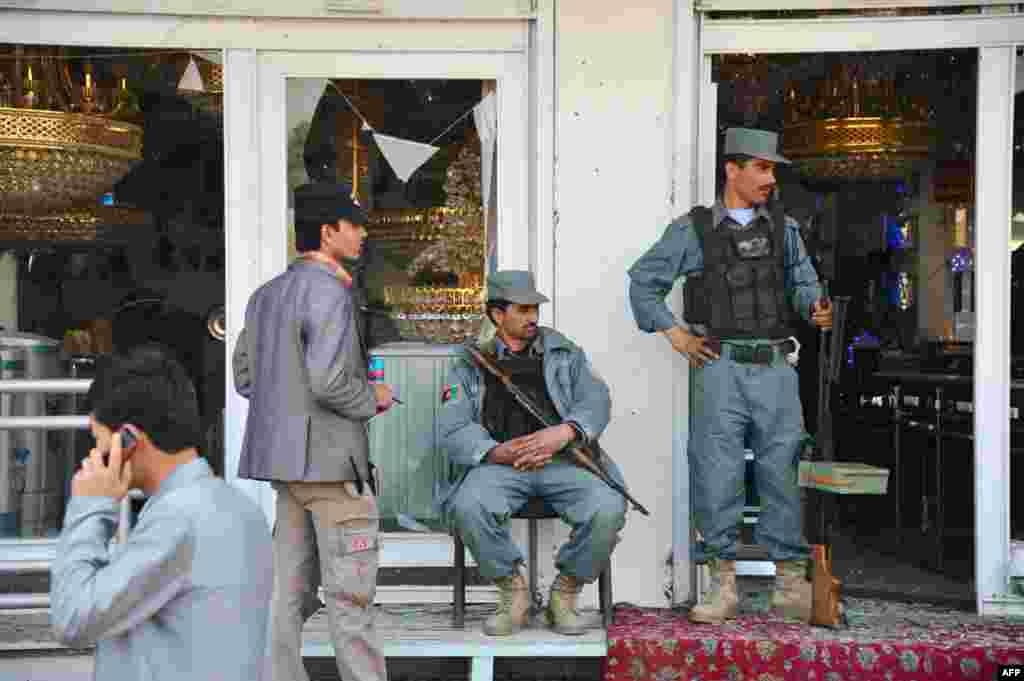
(543, 201)
(543, 211)
(992, 332)
(696, 103)
(615, 199)
(514, 252)
(243, 247)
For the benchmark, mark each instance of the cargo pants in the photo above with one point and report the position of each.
(325, 533)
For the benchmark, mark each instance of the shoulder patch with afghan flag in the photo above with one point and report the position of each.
(451, 393)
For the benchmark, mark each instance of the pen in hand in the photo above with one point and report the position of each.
(376, 375)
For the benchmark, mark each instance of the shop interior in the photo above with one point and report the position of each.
(882, 146)
(412, 152)
(112, 234)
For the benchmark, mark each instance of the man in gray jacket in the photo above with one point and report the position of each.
(301, 362)
(186, 597)
(509, 458)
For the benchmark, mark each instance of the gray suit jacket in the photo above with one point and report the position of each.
(186, 598)
(301, 363)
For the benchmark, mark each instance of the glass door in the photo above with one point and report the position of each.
(883, 151)
(435, 147)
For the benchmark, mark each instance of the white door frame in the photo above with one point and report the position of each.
(996, 36)
(515, 233)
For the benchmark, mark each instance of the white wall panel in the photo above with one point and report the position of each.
(242, 251)
(614, 191)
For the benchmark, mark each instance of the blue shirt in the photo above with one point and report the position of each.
(679, 253)
(742, 216)
(185, 598)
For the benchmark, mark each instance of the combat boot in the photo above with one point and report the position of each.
(793, 595)
(562, 612)
(723, 603)
(513, 607)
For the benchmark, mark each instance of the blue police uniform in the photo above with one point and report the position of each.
(744, 403)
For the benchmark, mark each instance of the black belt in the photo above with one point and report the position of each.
(763, 353)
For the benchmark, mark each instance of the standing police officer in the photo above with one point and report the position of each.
(747, 272)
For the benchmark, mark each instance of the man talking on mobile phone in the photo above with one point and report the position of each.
(187, 596)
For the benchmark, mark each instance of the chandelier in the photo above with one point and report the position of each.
(63, 144)
(51, 160)
(856, 125)
(442, 238)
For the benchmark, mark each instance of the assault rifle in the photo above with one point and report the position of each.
(831, 355)
(584, 455)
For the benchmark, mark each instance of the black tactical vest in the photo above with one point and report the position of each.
(741, 292)
(503, 418)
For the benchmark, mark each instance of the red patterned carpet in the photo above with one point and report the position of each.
(884, 642)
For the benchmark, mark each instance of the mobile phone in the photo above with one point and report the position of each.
(128, 440)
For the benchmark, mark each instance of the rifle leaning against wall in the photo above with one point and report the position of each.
(831, 355)
(583, 455)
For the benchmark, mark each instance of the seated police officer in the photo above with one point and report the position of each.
(748, 280)
(510, 457)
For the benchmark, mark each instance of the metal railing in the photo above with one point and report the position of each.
(64, 386)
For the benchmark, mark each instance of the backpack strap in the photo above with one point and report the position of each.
(779, 229)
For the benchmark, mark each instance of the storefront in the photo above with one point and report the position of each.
(267, 62)
(607, 131)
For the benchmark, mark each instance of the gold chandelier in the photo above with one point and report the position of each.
(407, 233)
(62, 146)
(450, 239)
(850, 126)
(52, 160)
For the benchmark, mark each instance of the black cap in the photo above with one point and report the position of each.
(326, 203)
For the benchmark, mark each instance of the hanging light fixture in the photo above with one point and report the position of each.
(857, 124)
(56, 154)
(61, 148)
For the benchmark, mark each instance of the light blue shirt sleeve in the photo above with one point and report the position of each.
(651, 278)
(801, 279)
(96, 594)
(592, 409)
